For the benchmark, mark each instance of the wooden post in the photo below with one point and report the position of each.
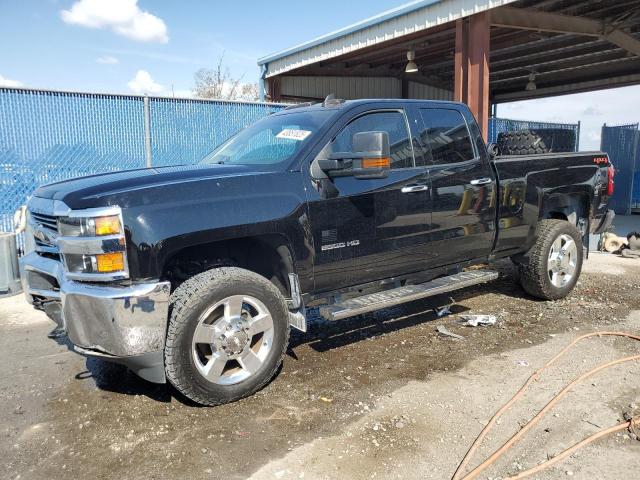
(479, 45)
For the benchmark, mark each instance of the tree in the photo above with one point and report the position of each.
(220, 84)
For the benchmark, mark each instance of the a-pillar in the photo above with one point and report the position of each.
(471, 79)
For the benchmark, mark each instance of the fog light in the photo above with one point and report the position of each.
(110, 262)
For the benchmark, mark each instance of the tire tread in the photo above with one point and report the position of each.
(533, 273)
(183, 305)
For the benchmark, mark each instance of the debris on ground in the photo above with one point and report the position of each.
(633, 246)
(476, 320)
(446, 310)
(612, 243)
(442, 330)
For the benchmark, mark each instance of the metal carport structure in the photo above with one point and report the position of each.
(481, 52)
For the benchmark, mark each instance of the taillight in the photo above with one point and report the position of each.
(611, 172)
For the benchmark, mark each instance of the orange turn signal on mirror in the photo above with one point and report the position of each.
(107, 225)
(110, 262)
(384, 162)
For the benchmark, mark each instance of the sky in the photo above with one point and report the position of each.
(155, 46)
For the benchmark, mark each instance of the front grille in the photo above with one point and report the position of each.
(48, 221)
(44, 225)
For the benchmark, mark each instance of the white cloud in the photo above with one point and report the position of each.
(7, 82)
(123, 17)
(591, 110)
(107, 60)
(143, 83)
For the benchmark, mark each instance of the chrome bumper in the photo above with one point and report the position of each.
(117, 321)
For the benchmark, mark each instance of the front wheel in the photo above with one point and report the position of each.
(551, 268)
(228, 332)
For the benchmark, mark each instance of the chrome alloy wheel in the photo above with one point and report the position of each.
(563, 258)
(232, 339)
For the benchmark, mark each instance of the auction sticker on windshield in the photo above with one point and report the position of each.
(294, 134)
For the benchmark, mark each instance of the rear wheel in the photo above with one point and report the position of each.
(551, 268)
(228, 332)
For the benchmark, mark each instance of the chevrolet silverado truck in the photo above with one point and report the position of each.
(195, 274)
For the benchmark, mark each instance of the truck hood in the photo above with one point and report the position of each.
(88, 191)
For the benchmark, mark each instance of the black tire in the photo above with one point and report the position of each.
(521, 142)
(189, 301)
(532, 142)
(533, 268)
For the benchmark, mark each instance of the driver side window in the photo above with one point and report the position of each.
(391, 122)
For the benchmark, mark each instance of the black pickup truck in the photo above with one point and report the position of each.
(195, 274)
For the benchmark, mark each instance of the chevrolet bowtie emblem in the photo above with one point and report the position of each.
(44, 235)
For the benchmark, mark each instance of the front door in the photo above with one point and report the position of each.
(463, 188)
(371, 229)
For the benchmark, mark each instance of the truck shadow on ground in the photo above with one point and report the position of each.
(324, 335)
(118, 379)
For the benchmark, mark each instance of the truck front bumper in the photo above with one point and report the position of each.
(122, 324)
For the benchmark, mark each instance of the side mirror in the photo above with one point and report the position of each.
(369, 158)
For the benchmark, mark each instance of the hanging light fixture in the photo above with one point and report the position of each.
(411, 65)
(531, 86)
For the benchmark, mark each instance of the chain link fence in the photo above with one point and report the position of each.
(502, 125)
(48, 136)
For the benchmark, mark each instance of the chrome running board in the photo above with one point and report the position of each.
(408, 293)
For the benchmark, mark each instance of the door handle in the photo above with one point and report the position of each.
(414, 188)
(481, 181)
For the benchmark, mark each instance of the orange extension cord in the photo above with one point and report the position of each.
(534, 377)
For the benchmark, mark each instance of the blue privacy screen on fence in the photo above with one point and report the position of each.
(501, 125)
(622, 143)
(48, 136)
(184, 131)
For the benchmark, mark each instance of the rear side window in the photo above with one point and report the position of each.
(445, 133)
(391, 122)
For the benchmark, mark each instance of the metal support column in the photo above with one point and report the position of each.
(147, 133)
(274, 89)
(479, 50)
(471, 79)
(461, 62)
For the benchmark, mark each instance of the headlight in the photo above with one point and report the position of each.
(89, 227)
(92, 244)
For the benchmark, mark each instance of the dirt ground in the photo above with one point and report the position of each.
(378, 396)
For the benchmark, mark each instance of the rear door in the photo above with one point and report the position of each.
(463, 187)
(371, 229)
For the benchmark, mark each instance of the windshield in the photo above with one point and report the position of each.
(271, 142)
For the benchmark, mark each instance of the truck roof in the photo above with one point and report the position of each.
(338, 104)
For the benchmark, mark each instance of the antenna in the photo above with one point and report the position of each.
(331, 100)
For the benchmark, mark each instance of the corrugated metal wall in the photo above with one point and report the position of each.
(426, 92)
(357, 87)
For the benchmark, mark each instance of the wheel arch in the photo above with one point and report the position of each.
(572, 206)
(269, 255)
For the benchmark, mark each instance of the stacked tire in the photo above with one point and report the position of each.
(534, 142)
